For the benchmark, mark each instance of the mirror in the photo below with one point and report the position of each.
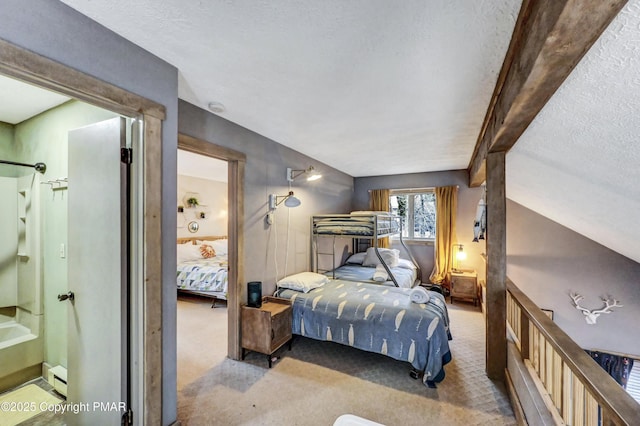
(193, 226)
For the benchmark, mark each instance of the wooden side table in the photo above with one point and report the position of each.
(267, 328)
(464, 285)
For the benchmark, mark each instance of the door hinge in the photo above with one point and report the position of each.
(127, 418)
(126, 155)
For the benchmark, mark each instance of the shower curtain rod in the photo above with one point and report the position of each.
(40, 167)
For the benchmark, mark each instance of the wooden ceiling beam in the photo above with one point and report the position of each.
(549, 39)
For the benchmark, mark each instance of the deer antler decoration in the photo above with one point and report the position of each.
(590, 316)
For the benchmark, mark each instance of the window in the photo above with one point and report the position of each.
(633, 384)
(417, 208)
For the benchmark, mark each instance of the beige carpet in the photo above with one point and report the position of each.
(20, 405)
(317, 382)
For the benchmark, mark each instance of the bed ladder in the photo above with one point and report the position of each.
(318, 253)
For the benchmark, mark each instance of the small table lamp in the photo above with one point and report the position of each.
(460, 256)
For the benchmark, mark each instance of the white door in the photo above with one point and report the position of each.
(97, 261)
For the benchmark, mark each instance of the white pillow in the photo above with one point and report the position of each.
(220, 246)
(406, 264)
(390, 256)
(357, 258)
(304, 281)
(186, 252)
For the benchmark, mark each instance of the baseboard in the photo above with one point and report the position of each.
(515, 401)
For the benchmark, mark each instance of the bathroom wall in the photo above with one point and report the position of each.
(9, 244)
(8, 220)
(6, 146)
(29, 260)
(212, 196)
(43, 138)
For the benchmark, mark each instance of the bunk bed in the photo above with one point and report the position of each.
(365, 227)
(202, 267)
(387, 318)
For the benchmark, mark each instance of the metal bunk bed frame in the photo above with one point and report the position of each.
(356, 238)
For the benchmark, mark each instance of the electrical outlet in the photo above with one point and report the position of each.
(63, 251)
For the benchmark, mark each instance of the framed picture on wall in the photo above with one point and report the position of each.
(548, 312)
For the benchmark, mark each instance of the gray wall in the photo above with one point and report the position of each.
(467, 202)
(56, 31)
(265, 173)
(548, 261)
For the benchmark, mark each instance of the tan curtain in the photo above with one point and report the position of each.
(379, 201)
(446, 208)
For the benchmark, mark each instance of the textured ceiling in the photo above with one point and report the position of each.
(579, 161)
(379, 87)
(355, 84)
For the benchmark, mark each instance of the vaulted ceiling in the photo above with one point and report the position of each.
(376, 87)
(346, 82)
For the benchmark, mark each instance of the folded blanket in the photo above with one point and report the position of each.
(380, 274)
(419, 295)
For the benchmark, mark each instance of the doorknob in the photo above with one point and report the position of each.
(63, 297)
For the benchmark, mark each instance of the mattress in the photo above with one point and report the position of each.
(359, 225)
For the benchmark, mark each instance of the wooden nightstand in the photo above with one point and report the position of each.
(464, 285)
(267, 328)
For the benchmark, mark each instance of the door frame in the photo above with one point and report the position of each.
(40, 71)
(235, 229)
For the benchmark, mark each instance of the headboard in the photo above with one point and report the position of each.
(192, 240)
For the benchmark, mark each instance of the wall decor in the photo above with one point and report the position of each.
(548, 312)
(591, 315)
(193, 226)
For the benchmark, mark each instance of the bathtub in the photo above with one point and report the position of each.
(12, 333)
(21, 350)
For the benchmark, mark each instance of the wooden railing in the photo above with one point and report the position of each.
(576, 389)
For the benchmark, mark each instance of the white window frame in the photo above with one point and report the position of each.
(410, 213)
(633, 384)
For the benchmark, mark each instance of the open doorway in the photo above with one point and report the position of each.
(202, 265)
(190, 221)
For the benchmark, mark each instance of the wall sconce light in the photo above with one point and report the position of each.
(460, 256)
(292, 174)
(289, 200)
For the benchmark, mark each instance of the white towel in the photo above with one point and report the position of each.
(419, 295)
(380, 274)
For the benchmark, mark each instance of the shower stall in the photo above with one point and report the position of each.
(21, 283)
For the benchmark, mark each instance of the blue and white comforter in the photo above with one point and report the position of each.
(378, 319)
(203, 274)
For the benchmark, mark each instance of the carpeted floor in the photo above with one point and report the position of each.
(316, 382)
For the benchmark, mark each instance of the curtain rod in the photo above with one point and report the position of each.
(40, 167)
(428, 188)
